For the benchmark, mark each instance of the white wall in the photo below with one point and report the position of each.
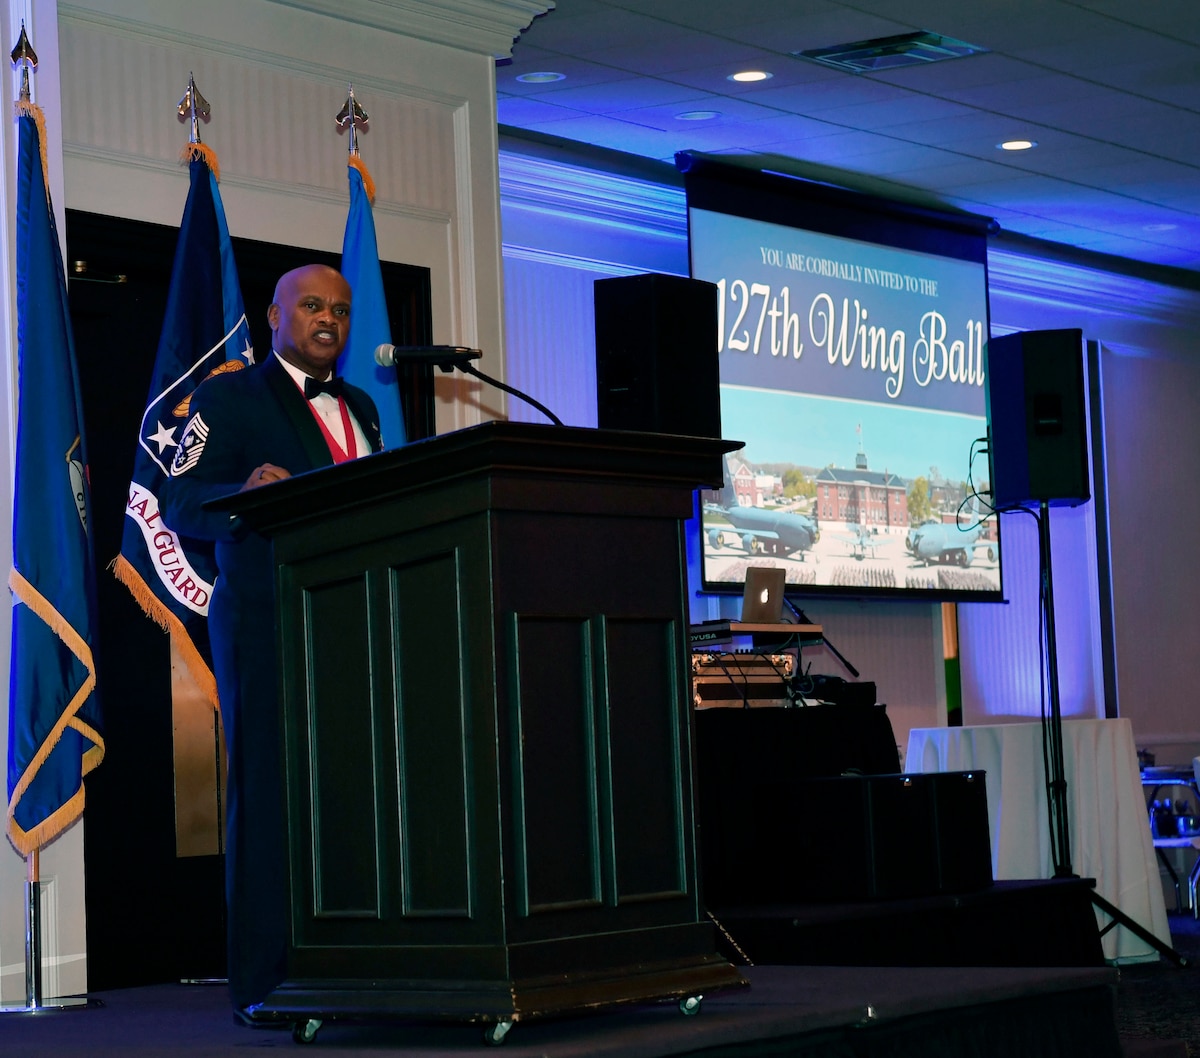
(1152, 414)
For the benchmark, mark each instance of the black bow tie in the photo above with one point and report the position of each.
(332, 386)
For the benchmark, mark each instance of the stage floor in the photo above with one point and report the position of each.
(786, 1010)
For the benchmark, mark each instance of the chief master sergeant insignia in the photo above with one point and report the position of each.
(187, 455)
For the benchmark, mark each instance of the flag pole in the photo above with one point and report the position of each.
(33, 933)
(24, 55)
(34, 1003)
(397, 399)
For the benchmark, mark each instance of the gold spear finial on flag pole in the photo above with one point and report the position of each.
(24, 53)
(193, 106)
(24, 105)
(351, 116)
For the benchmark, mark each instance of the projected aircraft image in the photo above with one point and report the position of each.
(760, 531)
(863, 542)
(934, 543)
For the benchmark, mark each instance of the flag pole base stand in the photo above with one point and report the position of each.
(51, 1006)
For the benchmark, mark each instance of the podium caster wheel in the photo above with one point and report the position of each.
(690, 1006)
(494, 1035)
(305, 1031)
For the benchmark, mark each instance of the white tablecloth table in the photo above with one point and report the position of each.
(1110, 831)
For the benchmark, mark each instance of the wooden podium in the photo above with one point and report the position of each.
(487, 738)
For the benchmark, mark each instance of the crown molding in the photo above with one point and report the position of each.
(129, 29)
(486, 26)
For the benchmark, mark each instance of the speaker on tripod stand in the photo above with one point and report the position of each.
(1038, 455)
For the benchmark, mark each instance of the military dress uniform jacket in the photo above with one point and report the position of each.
(240, 420)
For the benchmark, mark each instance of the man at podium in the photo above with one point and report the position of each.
(248, 428)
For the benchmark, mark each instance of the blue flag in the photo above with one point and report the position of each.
(204, 333)
(369, 325)
(53, 714)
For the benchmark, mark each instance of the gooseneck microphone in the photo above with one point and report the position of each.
(448, 357)
(444, 356)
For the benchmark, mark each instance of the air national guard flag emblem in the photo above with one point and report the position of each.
(204, 333)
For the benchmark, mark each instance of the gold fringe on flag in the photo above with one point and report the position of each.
(26, 108)
(124, 571)
(201, 152)
(27, 841)
(368, 182)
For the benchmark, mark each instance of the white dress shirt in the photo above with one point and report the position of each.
(326, 406)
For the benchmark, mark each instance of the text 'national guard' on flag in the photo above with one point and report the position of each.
(204, 333)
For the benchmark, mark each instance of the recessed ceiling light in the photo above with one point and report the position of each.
(541, 77)
(744, 76)
(1017, 145)
(698, 115)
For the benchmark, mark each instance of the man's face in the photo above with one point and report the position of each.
(310, 318)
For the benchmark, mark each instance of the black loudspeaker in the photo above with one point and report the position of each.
(1037, 413)
(751, 765)
(873, 837)
(961, 831)
(656, 355)
(862, 838)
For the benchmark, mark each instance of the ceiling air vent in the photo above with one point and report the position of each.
(890, 53)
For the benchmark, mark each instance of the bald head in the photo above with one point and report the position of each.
(310, 318)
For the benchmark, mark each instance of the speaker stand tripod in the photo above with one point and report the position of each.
(1056, 781)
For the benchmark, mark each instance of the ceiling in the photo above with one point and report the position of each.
(1108, 89)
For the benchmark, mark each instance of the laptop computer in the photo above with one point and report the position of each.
(762, 598)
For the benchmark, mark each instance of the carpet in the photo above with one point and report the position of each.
(1158, 1000)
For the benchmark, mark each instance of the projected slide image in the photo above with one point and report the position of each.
(854, 374)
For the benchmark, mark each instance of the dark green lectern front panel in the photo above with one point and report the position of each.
(385, 841)
(591, 701)
(650, 816)
(426, 644)
(349, 824)
(406, 766)
(557, 777)
(486, 725)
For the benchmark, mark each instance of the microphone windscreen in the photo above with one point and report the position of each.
(385, 355)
